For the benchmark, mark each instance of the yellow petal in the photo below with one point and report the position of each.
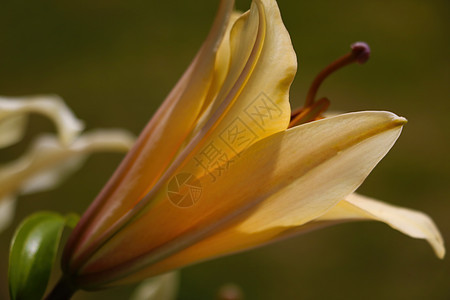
(355, 208)
(410, 222)
(163, 136)
(258, 42)
(253, 101)
(285, 180)
(251, 98)
(13, 110)
(221, 69)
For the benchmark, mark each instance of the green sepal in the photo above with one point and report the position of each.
(33, 253)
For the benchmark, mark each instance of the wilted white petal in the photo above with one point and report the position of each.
(7, 207)
(162, 287)
(48, 162)
(51, 177)
(12, 130)
(52, 107)
(410, 222)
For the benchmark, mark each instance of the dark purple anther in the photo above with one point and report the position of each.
(361, 52)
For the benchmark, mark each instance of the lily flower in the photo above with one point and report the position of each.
(222, 167)
(51, 158)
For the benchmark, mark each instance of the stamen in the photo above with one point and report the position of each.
(360, 53)
(310, 113)
(312, 110)
(295, 112)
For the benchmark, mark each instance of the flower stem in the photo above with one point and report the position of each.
(63, 290)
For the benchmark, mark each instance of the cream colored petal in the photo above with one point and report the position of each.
(48, 162)
(7, 208)
(355, 208)
(285, 180)
(52, 107)
(410, 222)
(334, 165)
(163, 287)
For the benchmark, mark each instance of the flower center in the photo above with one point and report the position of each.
(313, 109)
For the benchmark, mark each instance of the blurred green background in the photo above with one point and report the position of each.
(114, 61)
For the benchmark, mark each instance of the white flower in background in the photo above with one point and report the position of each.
(14, 113)
(51, 158)
(163, 287)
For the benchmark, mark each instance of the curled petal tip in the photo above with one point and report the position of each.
(394, 119)
(400, 120)
(361, 51)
